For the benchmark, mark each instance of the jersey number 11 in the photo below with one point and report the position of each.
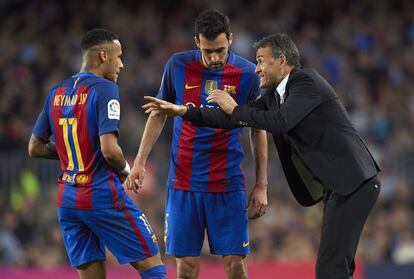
(71, 123)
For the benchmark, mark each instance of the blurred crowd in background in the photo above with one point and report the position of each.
(365, 49)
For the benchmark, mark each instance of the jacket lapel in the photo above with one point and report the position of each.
(271, 100)
(292, 72)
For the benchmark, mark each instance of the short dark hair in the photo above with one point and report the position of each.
(96, 37)
(211, 23)
(281, 44)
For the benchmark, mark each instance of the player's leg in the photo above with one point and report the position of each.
(151, 268)
(235, 266)
(85, 251)
(343, 221)
(147, 263)
(128, 235)
(184, 230)
(226, 219)
(187, 267)
(92, 270)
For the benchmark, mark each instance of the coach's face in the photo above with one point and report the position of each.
(113, 61)
(271, 70)
(214, 52)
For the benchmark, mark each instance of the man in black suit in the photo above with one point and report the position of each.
(322, 155)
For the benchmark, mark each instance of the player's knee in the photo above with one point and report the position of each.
(187, 268)
(95, 269)
(235, 267)
(185, 271)
(147, 263)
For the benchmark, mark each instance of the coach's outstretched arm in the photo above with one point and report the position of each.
(205, 117)
(303, 94)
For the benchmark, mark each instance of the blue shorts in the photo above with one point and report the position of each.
(124, 230)
(189, 214)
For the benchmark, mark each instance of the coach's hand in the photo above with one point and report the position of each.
(223, 99)
(164, 107)
(257, 202)
(135, 179)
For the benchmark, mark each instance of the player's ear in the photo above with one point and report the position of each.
(230, 38)
(103, 55)
(197, 41)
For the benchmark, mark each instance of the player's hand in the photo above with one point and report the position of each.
(135, 179)
(257, 202)
(223, 99)
(163, 107)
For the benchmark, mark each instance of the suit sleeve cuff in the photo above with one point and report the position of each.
(192, 114)
(237, 116)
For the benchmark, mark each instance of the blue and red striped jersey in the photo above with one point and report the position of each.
(76, 112)
(205, 159)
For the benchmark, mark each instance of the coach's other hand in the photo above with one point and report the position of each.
(223, 99)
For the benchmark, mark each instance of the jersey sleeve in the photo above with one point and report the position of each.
(255, 88)
(42, 127)
(109, 108)
(167, 91)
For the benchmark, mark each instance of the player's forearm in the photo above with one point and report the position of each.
(115, 158)
(258, 140)
(39, 148)
(111, 151)
(152, 131)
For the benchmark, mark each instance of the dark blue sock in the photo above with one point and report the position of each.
(156, 272)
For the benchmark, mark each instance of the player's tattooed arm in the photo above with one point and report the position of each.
(41, 148)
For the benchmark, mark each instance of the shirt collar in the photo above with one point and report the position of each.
(281, 88)
(82, 74)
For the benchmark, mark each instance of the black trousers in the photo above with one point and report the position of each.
(343, 220)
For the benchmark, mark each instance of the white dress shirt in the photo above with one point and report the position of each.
(281, 88)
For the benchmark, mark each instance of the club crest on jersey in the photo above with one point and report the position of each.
(212, 85)
(114, 109)
(82, 178)
(231, 89)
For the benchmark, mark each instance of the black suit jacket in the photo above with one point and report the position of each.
(318, 147)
